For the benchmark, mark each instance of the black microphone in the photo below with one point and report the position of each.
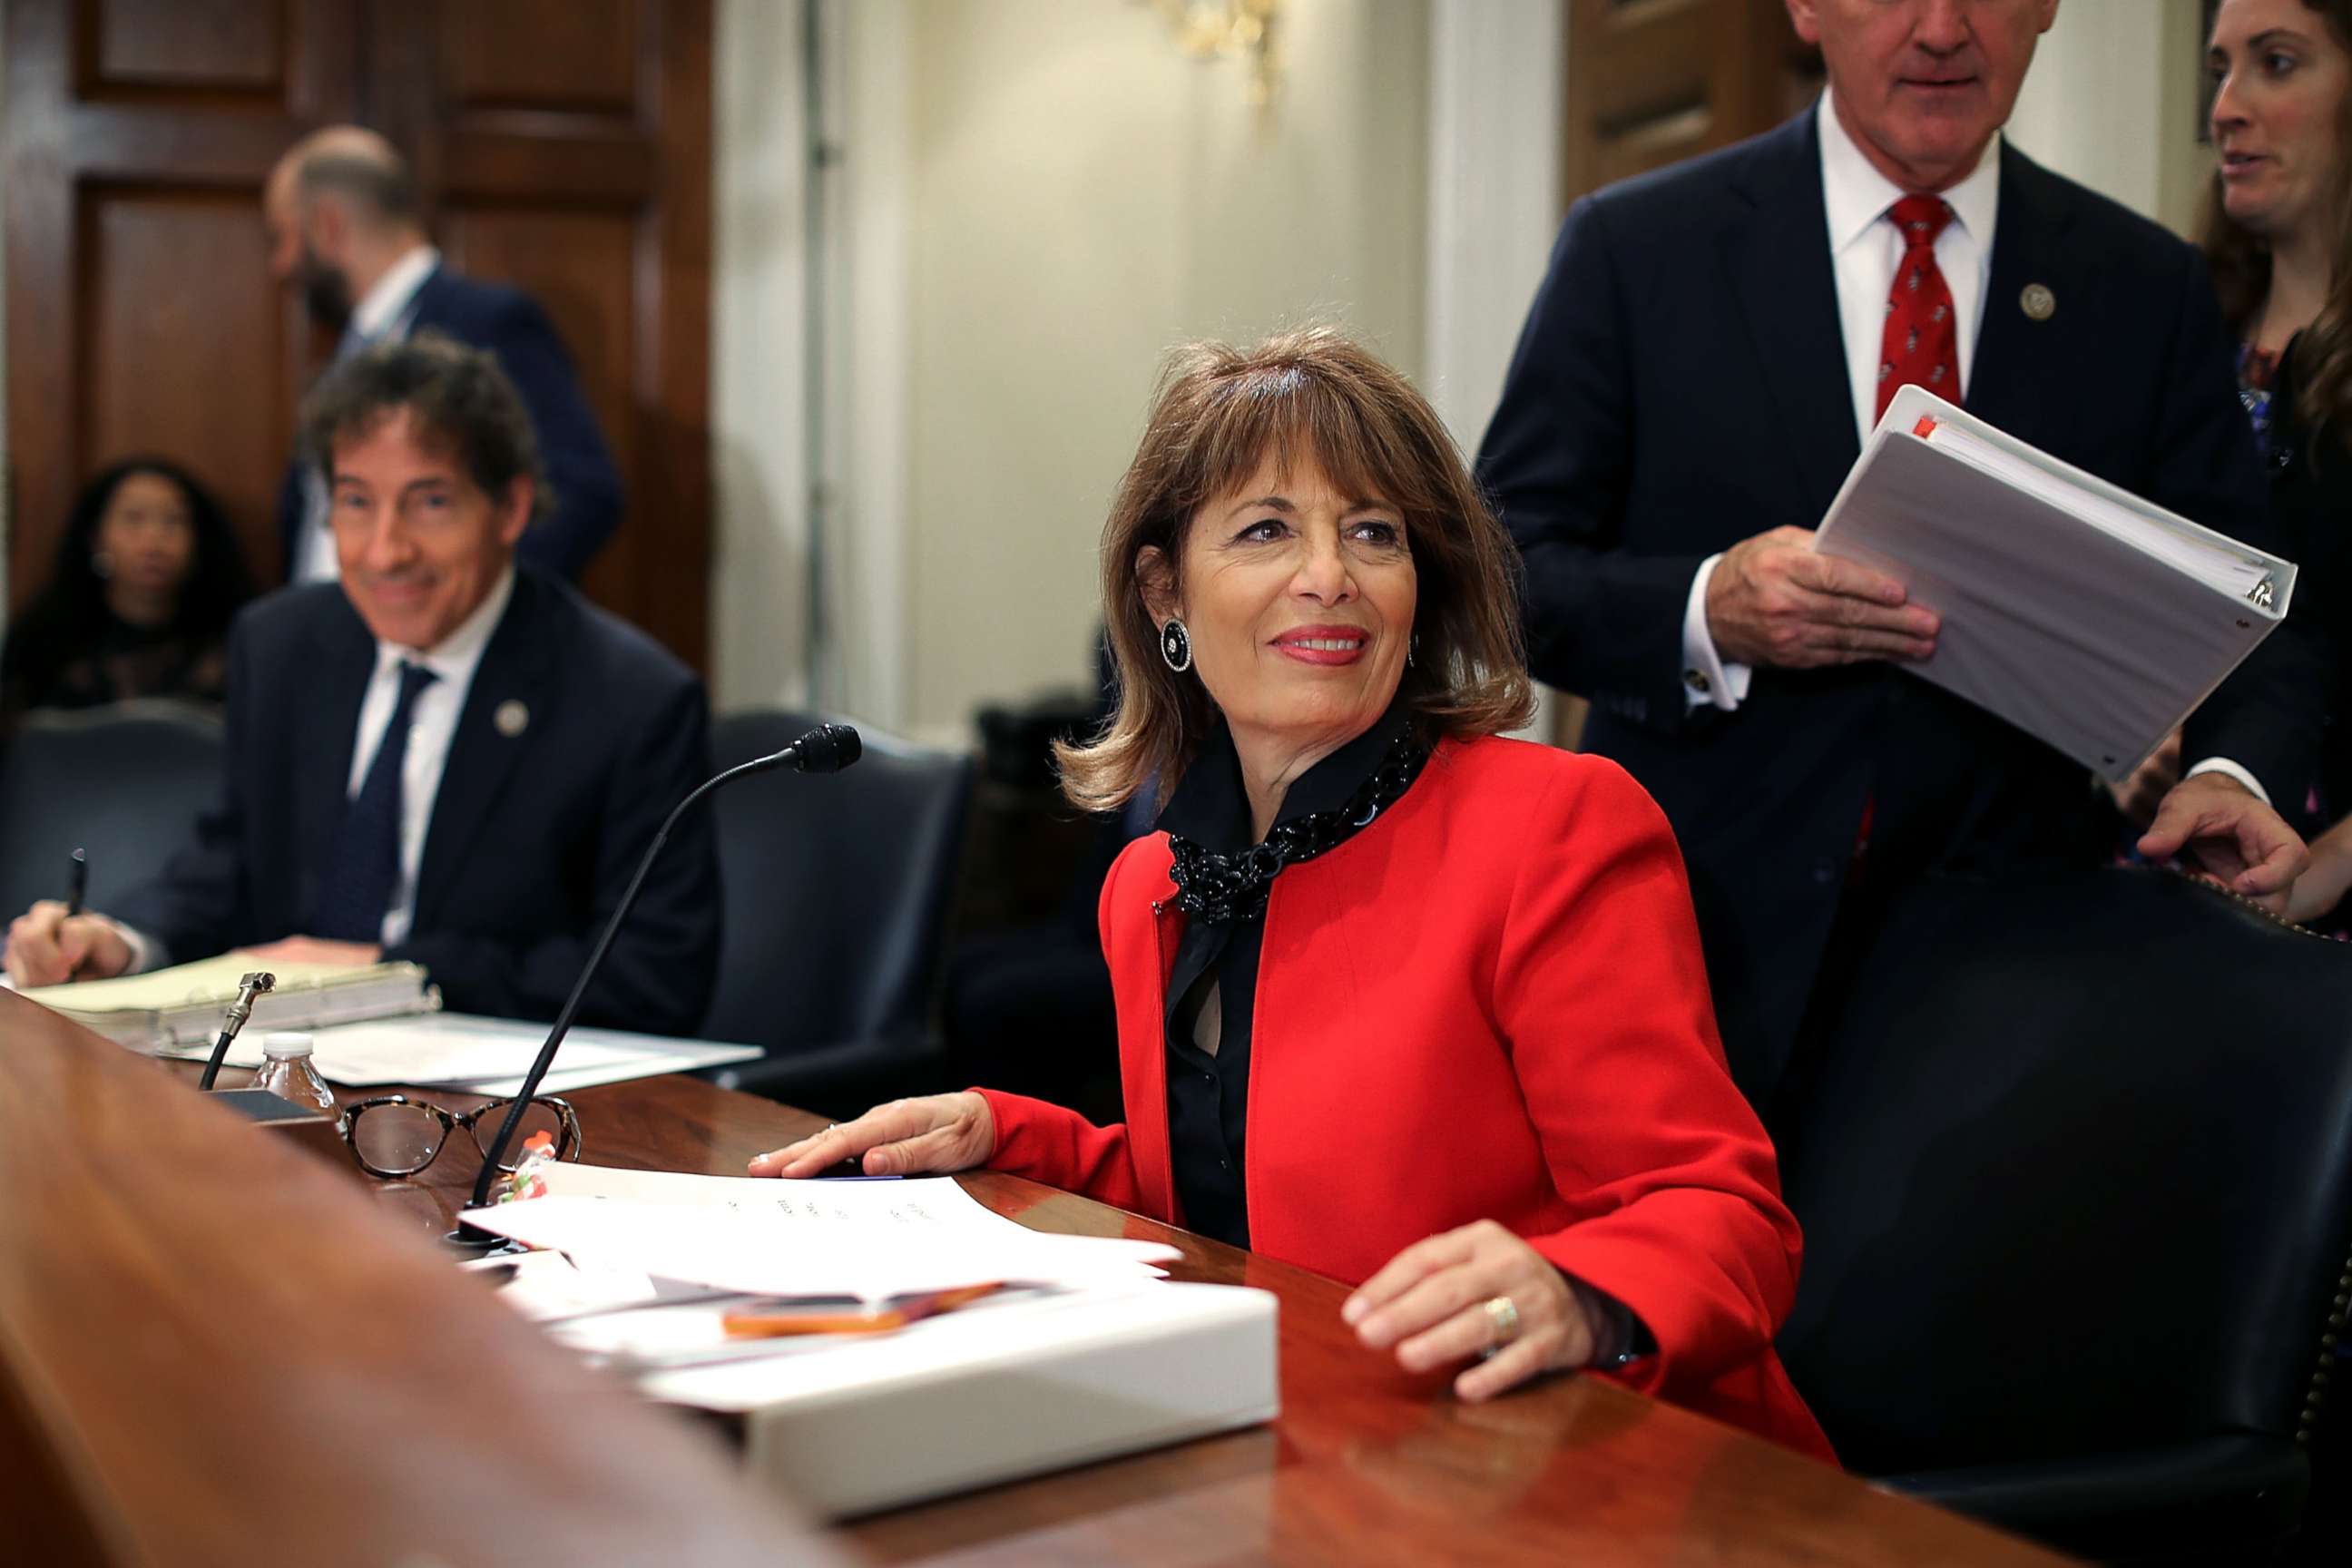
(827, 749)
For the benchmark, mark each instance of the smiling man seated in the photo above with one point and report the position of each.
(442, 758)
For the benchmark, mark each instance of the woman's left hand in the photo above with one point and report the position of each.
(1429, 1301)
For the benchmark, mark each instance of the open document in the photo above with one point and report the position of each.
(2083, 615)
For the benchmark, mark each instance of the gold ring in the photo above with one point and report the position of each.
(1503, 1317)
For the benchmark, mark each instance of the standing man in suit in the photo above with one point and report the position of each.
(1696, 374)
(445, 757)
(343, 230)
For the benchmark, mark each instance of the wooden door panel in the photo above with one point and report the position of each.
(569, 142)
(1651, 82)
(579, 55)
(562, 145)
(141, 314)
(221, 44)
(582, 267)
(146, 328)
(1653, 142)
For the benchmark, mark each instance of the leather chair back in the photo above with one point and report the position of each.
(124, 782)
(837, 888)
(2074, 1171)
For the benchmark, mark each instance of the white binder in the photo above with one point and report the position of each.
(2083, 615)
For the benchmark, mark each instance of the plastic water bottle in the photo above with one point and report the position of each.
(287, 1072)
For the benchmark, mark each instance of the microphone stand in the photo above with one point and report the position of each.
(826, 749)
(248, 989)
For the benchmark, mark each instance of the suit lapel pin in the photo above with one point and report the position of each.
(2038, 301)
(512, 718)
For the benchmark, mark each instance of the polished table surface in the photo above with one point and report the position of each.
(1365, 1464)
(216, 1347)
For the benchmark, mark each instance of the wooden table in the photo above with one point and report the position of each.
(1365, 1464)
(217, 1348)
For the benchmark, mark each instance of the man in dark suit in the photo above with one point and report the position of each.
(1694, 382)
(343, 230)
(444, 758)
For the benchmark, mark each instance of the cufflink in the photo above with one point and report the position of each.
(1696, 680)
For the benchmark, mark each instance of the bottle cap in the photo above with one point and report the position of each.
(285, 1045)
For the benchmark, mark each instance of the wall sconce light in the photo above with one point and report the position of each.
(1229, 29)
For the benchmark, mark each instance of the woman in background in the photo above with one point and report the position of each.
(2278, 236)
(146, 582)
(1399, 1000)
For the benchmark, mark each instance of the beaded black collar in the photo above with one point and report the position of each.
(1220, 886)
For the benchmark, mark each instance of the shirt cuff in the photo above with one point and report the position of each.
(2224, 766)
(146, 953)
(1708, 680)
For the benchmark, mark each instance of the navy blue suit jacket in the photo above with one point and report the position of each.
(510, 324)
(533, 834)
(1681, 384)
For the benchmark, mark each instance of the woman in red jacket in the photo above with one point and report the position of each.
(1399, 1000)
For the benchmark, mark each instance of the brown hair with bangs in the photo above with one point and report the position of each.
(1311, 395)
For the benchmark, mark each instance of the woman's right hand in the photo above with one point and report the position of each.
(904, 1138)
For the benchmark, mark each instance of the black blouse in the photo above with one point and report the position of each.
(1207, 1096)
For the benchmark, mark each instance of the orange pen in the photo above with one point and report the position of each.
(810, 1318)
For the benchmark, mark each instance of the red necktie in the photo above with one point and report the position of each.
(1921, 346)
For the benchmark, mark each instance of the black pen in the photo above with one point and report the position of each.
(78, 883)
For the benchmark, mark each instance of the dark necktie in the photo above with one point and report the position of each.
(365, 865)
(1921, 345)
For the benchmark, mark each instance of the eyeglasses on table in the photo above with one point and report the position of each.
(392, 1135)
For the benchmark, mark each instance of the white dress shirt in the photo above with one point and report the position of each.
(382, 314)
(1865, 247)
(433, 724)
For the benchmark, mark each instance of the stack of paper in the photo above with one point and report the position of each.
(2078, 612)
(872, 1240)
(1094, 1357)
(488, 1055)
(180, 1009)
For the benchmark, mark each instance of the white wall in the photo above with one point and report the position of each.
(1085, 196)
(1494, 85)
(759, 467)
(1496, 72)
(1036, 198)
(2112, 101)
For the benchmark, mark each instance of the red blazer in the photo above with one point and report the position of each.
(1490, 1003)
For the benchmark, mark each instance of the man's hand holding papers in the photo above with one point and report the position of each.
(1773, 600)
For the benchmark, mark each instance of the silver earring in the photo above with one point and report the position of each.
(1412, 650)
(1176, 646)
